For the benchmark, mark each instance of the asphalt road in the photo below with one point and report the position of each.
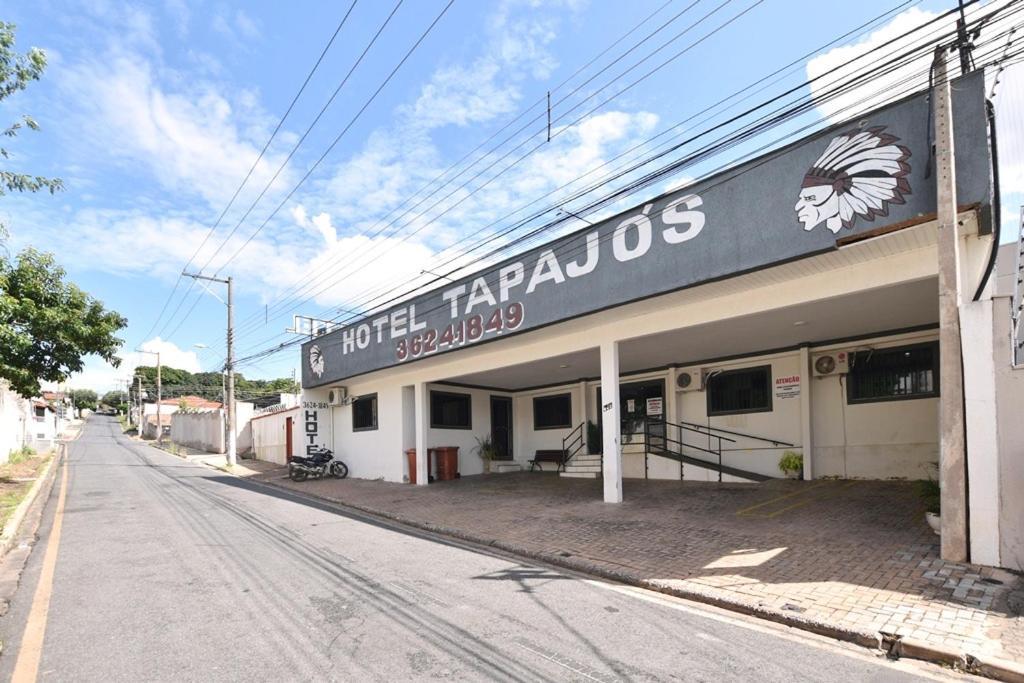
(171, 571)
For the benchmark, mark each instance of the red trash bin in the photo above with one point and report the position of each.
(446, 460)
(410, 455)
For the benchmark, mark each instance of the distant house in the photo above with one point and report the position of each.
(35, 422)
(170, 406)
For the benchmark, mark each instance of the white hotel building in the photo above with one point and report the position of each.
(787, 304)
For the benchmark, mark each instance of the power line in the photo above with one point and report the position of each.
(506, 126)
(329, 148)
(336, 280)
(720, 125)
(286, 161)
(690, 27)
(892, 65)
(252, 168)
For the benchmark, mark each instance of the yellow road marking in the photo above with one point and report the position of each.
(782, 497)
(26, 669)
(745, 512)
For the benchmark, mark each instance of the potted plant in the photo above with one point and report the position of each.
(928, 489)
(792, 464)
(487, 451)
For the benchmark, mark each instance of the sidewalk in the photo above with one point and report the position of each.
(851, 559)
(243, 468)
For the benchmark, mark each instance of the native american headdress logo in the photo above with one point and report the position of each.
(859, 174)
(316, 360)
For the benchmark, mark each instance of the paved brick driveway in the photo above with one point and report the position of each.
(851, 554)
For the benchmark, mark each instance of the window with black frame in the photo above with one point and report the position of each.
(364, 413)
(732, 392)
(552, 412)
(450, 411)
(899, 373)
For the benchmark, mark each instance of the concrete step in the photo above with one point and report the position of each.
(506, 467)
(580, 475)
(582, 468)
(585, 460)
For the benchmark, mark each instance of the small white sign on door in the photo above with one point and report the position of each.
(655, 406)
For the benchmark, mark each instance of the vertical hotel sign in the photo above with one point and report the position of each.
(789, 204)
(314, 422)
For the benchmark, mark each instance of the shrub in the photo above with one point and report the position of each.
(929, 490)
(791, 462)
(21, 454)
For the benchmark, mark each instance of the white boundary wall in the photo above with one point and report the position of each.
(269, 439)
(15, 421)
(203, 430)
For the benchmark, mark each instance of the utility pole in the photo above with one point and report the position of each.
(229, 363)
(159, 397)
(159, 400)
(952, 440)
(963, 43)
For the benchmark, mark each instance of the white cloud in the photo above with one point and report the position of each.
(836, 65)
(239, 27)
(462, 95)
(170, 356)
(199, 141)
(320, 223)
(1009, 103)
(575, 151)
(101, 377)
(1009, 93)
(192, 137)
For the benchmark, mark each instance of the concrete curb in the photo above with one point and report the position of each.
(892, 645)
(45, 479)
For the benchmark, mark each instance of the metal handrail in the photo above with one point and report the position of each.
(707, 428)
(575, 442)
(667, 440)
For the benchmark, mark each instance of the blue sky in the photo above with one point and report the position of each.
(153, 112)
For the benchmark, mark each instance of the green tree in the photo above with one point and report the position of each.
(112, 398)
(16, 72)
(47, 325)
(176, 383)
(84, 398)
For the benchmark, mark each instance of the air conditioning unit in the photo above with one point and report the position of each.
(336, 396)
(833, 363)
(690, 380)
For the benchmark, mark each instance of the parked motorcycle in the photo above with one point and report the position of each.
(317, 464)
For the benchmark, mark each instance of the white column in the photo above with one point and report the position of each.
(611, 427)
(671, 398)
(982, 430)
(805, 412)
(422, 425)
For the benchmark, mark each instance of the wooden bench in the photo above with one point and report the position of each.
(556, 456)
